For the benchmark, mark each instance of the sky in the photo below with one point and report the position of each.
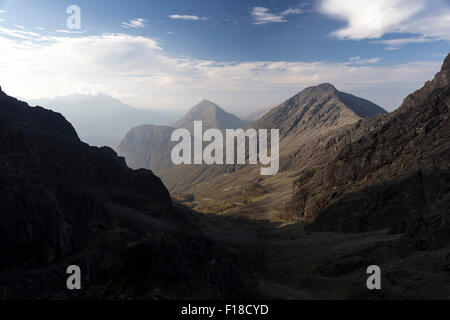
(242, 54)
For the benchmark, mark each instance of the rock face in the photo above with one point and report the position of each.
(64, 202)
(45, 170)
(385, 172)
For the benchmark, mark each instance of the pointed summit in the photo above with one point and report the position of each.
(212, 116)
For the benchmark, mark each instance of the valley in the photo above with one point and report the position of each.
(356, 187)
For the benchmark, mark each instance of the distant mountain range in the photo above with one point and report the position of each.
(101, 120)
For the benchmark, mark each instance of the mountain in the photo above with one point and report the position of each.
(65, 202)
(102, 120)
(212, 116)
(313, 112)
(386, 172)
(149, 146)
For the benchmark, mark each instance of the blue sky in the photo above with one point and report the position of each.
(244, 54)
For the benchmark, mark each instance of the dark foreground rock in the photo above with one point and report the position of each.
(64, 202)
(388, 171)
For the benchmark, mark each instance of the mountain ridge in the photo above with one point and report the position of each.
(398, 164)
(312, 112)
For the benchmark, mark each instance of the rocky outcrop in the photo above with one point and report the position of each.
(64, 202)
(385, 172)
(183, 264)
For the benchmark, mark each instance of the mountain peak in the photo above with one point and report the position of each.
(326, 86)
(420, 97)
(212, 116)
(317, 108)
(206, 101)
(443, 77)
(204, 105)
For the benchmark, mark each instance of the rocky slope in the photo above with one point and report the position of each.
(64, 202)
(312, 113)
(148, 146)
(315, 111)
(385, 172)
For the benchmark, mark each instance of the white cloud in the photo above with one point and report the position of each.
(137, 23)
(139, 72)
(262, 15)
(371, 19)
(394, 44)
(358, 61)
(2, 11)
(69, 31)
(186, 17)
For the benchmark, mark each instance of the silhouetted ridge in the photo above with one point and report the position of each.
(64, 202)
(36, 120)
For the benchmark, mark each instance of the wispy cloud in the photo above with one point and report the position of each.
(137, 23)
(372, 19)
(2, 11)
(262, 15)
(394, 44)
(359, 61)
(186, 17)
(21, 34)
(69, 31)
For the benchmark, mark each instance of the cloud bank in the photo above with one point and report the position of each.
(138, 71)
